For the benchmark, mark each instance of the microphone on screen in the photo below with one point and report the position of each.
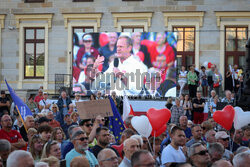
(116, 64)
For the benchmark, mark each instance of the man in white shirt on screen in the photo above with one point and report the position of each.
(126, 68)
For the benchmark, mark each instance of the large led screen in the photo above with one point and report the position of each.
(138, 64)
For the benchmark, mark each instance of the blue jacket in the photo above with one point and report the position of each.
(60, 117)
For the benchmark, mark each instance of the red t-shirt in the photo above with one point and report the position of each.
(169, 53)
(170, 57)
(13, 136)
(38, 98)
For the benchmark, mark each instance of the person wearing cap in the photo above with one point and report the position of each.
(86, 51)
(39, 97)
(4, 104)
(223, 138)
(44, 104)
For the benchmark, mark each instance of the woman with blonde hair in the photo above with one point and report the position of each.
(52, 161)
(36, 147)
(51, 148)
(59, 136)
(74, 116)
(55, 109)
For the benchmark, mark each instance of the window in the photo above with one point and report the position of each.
(189, 24)
(185, 46)
(235, 42)
(34, 1)
(132, 29)
(34, 52)
(83, 29)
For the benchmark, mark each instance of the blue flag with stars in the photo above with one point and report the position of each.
(22, 108)
(116, 126)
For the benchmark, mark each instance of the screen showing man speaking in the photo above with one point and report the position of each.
(127, 63)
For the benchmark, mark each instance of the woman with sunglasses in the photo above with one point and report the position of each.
(36, 147)
(51, 148)
(86, 51)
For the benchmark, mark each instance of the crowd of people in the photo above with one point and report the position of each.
(55, 136)
(124, 55)
(208, 80)
(204, 93)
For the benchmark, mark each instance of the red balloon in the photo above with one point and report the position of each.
(159, 131)
(209, 65)
(103, 39)
(225, 117)
(158, 118)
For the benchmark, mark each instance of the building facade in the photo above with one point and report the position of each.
(36, 35)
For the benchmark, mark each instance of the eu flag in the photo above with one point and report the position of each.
(115, 122)
(22, 108)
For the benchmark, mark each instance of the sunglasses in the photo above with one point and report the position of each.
(203, 152)
(103, 120)
(83, 138)
(88, 125)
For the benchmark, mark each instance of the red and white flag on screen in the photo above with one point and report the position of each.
(127, 108)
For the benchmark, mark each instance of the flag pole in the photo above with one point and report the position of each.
(22, 119)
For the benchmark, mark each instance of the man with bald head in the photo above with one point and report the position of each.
(12, 136)
(107, 158)
(130, 146)
(223, 163)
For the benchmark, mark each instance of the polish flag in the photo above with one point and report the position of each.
(127, 108)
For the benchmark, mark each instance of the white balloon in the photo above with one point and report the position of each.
(205, 64)
(142, 125)
(241, 118)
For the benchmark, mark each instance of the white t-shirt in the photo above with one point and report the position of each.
(183, 74)
(43, 103)
(169, 155)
